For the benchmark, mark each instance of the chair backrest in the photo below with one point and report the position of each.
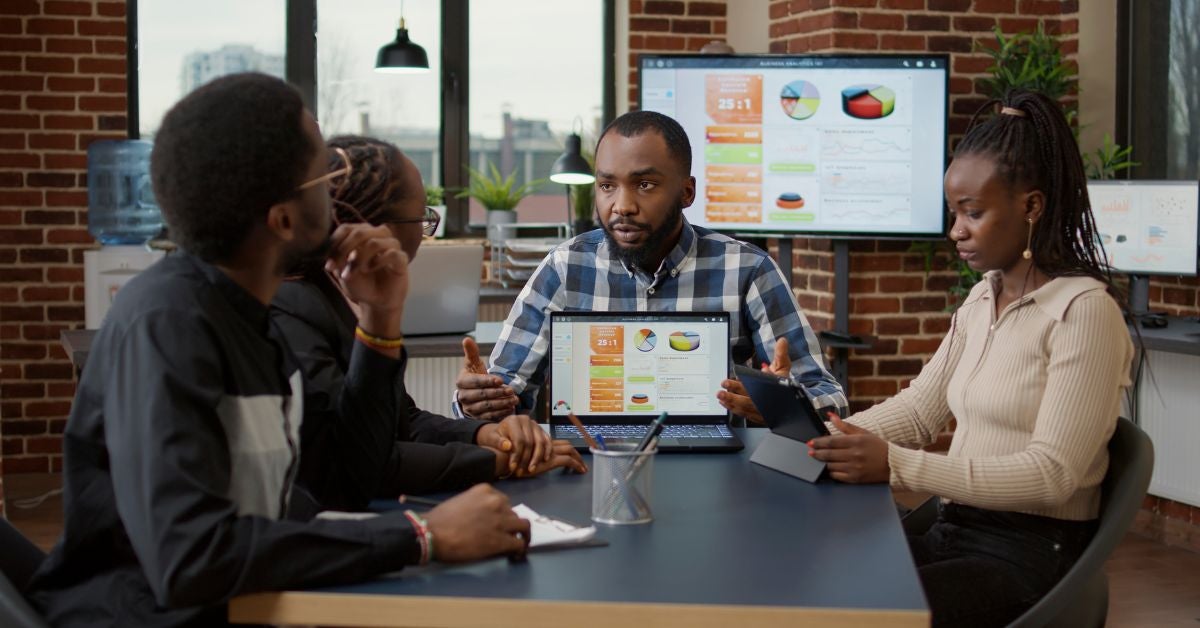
(1130, 463)
(19, 558)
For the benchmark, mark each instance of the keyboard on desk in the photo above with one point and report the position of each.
(697, 437)
(634, 432)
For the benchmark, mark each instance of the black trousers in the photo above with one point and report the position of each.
(985, 567)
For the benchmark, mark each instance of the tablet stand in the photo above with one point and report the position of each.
(787, 456)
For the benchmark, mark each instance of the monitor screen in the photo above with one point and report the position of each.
(622, 363)
(1147, 227)
(851, 145)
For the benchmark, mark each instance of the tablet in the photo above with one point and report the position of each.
(787, 409)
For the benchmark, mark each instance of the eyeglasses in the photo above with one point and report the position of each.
(429, 222)
(335, 178)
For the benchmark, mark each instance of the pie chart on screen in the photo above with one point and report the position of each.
(868, 102)
(684, 340)
(645, 340)
(799, 99)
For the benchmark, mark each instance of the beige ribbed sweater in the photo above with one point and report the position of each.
(1036, 391)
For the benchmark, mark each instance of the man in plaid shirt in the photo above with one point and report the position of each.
(647, 257)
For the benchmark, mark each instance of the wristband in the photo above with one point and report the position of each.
(376, 341)
(424, 536)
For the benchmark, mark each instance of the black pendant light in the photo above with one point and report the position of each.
(402, 56)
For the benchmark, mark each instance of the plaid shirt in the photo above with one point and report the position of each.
(706, 271)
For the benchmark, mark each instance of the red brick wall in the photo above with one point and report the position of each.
(62, 85)
(891, 296)
(664, 26)
(1178, 296)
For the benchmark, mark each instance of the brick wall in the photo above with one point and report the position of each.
(1177, 296)
(670, 26)
(891, 295)
(62, 85)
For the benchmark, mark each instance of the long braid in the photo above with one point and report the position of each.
(371, 185)
(1038, 150)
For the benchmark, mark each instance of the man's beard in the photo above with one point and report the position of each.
(639, 256)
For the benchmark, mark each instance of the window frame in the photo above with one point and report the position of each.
(300, 63)
(1141, 78)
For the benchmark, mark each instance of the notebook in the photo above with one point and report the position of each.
(443, 290)
(617, 371)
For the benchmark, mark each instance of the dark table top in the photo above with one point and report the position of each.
(1181, 335)
(727, 534)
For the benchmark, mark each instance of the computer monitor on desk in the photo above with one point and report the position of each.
(1147, 228)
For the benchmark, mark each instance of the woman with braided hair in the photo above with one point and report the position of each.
(1033, 369)
(430, 452)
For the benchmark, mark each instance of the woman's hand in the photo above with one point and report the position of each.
(855, 456)
(562, 455)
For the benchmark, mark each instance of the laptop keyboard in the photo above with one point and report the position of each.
(634, 432)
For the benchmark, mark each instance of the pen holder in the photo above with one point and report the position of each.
(622, 480)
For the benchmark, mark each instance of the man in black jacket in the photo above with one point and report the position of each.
(186, 446)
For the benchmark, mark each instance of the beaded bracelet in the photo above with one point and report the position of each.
(424, 536)
(376, 341)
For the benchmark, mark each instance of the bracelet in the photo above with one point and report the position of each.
(376, 341)
(424, 536)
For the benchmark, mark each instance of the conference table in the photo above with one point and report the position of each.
(732, 543)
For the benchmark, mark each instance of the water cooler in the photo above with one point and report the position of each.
(123, 216)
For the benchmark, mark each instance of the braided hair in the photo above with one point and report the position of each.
(1032, 145)
(372, 185)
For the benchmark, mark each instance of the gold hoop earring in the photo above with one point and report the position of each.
(1027, 253)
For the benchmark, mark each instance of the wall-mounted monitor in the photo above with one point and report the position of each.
(1147, 227)
(833, 145)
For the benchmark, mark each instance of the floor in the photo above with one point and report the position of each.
(1150, 585)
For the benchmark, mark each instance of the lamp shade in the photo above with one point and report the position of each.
(570, 167)
(402, 56)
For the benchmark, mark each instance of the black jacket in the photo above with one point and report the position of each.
(431, 452)
(185, 451)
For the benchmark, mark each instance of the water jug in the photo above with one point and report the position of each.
(121, 205)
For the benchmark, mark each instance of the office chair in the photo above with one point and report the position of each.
(1081, 597)
(18, 560)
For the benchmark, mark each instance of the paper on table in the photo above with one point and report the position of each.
(544, 531)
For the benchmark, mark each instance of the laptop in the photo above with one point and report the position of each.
(617, 371)
(443, 290)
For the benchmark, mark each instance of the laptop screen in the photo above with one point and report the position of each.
(635, 365)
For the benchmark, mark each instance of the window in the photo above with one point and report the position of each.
(352, 97)
(182, 45)
(1163, 113)
(531, 79)
(532, 69)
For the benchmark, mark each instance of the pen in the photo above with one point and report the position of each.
(654, 430)
(600, 441)
(587, 438)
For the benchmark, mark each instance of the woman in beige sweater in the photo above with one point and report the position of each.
(1033, 369)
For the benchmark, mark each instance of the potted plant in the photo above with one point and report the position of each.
(583, 200)
(583, 207)
(498, 194)
(435, 199)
